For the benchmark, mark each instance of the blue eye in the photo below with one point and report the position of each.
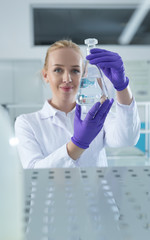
(58, 70)
(76, 71)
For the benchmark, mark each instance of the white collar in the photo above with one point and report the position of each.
(49, 111)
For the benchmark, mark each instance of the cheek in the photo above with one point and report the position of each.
(53, 79)
(78, 79)
(52, 82)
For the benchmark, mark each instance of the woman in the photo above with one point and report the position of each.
(56, 136)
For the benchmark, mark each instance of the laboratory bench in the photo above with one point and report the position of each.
(87, 204)
(126, 156)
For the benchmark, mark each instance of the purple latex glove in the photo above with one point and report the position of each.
(112, 66)
(86, 130)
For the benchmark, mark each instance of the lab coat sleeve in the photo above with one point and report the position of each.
(122, 128)
(30, 152)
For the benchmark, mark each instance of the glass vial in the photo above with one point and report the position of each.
(92, 86)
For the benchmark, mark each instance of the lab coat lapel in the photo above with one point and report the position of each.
(57, 117)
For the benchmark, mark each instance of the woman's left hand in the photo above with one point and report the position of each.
(112, 66)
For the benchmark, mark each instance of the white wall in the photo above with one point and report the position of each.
(16, 37)
(16, 45)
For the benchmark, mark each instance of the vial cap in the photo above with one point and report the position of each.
(91, 41)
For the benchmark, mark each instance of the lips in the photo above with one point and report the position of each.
(66, 88)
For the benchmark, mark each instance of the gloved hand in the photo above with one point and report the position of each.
(112, 66)
(86, 130)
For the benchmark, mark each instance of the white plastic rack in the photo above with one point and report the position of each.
(84, 204)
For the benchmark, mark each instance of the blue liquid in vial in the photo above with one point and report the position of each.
(89, 91)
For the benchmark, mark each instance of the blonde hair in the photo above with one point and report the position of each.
(61, 44)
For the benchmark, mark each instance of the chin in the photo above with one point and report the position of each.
(70, 98)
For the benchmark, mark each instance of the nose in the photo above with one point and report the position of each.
(67, 77)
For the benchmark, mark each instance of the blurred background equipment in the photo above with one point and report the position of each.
(11, 183)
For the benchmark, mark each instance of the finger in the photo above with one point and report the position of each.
(104, 59)
(106, 65)
(102, 119)
(78, 111)
(100, 50)
(92, 112)
(109, 106)
(102, 54)
(104, 109)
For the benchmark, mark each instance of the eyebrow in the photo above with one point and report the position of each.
(63, 65)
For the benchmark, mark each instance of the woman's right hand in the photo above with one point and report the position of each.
(86, 130)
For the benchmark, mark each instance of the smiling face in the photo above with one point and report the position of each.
(63, 73)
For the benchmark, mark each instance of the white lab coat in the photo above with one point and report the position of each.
(43, 136)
